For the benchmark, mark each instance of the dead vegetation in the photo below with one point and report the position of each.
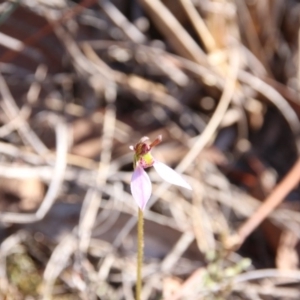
(80, 81)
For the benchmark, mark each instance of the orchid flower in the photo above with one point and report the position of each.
(141, 186)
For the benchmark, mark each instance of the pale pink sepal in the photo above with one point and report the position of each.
(141, 187)
(170, 175)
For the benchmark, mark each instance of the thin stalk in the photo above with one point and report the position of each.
(140, 254)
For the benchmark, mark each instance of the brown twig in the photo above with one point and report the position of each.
(47, 29)
(272, 201)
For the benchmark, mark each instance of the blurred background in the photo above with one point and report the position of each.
(81, 81)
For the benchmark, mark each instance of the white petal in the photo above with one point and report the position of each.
(141, 187)
(170, 175)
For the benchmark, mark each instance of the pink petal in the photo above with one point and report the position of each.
(141, 187)
(169, 175)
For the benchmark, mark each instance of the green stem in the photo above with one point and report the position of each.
(140, 254)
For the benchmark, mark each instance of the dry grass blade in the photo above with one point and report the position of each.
(199, 24)
(12, 111)
(55, 184)
(89, 214)
(175, 33)
(132, 33)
